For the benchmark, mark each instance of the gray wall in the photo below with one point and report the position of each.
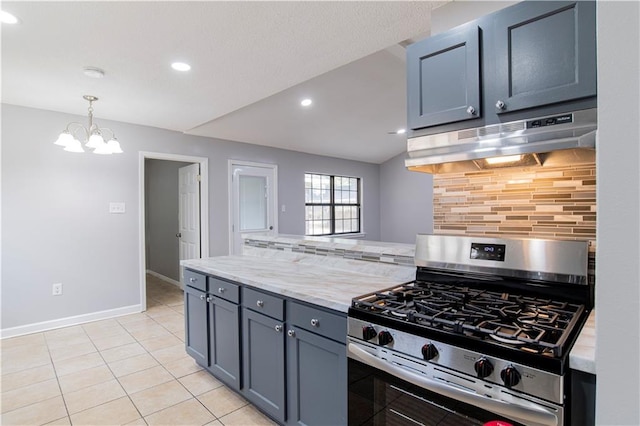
(55, 221)
(618, 227)
(406, 207)
(161, 191)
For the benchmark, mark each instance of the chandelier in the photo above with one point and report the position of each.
(92, 136)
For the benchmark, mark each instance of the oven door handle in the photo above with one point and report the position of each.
(521, 410)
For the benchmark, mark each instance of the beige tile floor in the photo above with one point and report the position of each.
(130, 370)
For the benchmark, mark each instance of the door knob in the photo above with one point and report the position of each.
(271, 228)
(179, 235)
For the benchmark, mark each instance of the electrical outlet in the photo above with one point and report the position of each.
(57, 289)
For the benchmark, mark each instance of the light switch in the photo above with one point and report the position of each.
(284, 208)
(116, 207)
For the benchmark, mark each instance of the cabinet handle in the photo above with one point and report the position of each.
(193, 280)
(278, 328)
(500, 105)
(471, 110)
(221, 290)
(209, 299)
(315, 322)
(291, 333)
(202, 296)
(260, 303)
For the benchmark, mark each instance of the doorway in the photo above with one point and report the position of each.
(171, 208)
(252, 201)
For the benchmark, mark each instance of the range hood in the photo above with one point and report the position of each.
(553, 140)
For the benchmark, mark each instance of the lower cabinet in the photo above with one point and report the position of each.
(196, 325)
(264, 363)
(292, 354)
(317, 379)
(583, 398)
(212, 329)
(224, 341)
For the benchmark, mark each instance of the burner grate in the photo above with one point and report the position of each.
(537, 325)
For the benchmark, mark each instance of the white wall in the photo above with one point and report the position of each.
(161, 191)
(457, 13)
(406, 206)
(618, 227)
(55, 221)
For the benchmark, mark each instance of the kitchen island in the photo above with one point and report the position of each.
(271, 324)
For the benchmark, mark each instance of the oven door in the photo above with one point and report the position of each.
(385, 393)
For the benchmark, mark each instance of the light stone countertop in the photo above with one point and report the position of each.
(329, 287)
(354, 244)
(583, 354)
(332, 283)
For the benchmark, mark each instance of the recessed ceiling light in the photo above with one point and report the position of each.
(180, 66)
(306, 102)
(93, 72)
(7, 18)
(401, 131)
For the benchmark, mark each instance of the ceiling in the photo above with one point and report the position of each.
(252, 63)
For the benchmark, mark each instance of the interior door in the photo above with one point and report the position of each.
(253, 190)
(189, 212)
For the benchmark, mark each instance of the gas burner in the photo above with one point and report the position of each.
(528, 323)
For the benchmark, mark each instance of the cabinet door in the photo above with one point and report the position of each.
(317, 377)
(443, 78)
(263, 363)
(224, 341)
(195, 317)
(545, 53)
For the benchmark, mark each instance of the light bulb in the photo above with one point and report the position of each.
(114, 146)
(74, 146)
(95, 140)
(64, 139)
(103, 150)
(505, 159)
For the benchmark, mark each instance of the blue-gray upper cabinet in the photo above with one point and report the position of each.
(443, 78)
(545, 53)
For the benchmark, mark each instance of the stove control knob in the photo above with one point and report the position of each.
(483, 367)
(368, 332)
(510, 376)
(384, 338)
(429, 351)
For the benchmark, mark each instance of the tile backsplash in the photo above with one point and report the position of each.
(557, 203)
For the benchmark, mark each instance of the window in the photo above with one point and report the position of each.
(332, 204)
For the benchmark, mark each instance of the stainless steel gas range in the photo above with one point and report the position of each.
(482, 335)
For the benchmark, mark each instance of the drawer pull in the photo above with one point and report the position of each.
(202, 296)
(291, 333)
(209, 299)
(260, 303)
(278, 328)
(193, 280)
(221, 290)
(315, 322)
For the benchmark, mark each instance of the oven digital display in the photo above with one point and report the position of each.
(488, 251)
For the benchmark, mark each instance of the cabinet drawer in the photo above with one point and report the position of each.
(266, 304)
(224, 289)
(195, 280)
(327, 324)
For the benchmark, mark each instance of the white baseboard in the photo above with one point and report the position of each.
(68, 321)
(164, 278)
